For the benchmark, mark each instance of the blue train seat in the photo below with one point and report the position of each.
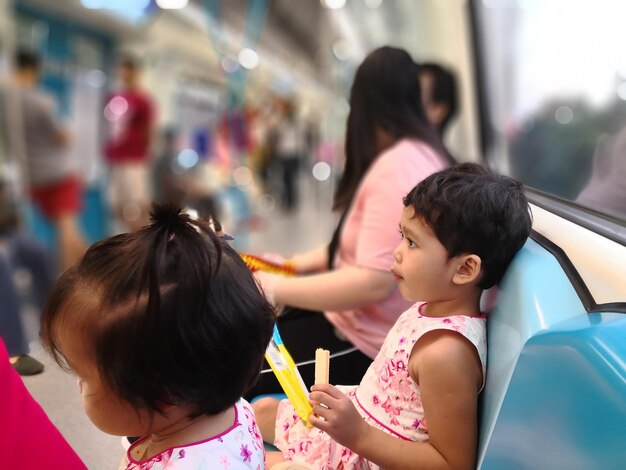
(278, 396)
(555, 395)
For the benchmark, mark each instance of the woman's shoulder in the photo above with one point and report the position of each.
(409, 155)
(402, 166)
(410, 149)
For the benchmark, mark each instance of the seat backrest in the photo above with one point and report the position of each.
(534, 295)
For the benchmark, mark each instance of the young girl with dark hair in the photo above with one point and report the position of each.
(165, 329)
(416, 406)
(345, 300)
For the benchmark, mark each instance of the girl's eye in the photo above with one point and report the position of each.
(410, 242)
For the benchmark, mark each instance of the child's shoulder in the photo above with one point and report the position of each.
(442, 341)
(439, 345)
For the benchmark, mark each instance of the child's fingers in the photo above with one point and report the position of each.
(318, 396)
(320, 410)
(328, 389)
(323, 398)
(322, 418)
(319, 423)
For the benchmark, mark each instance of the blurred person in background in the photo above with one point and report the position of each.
(606, 189)
(131, 116)
(179, 185)
(167, 186)
(312, 138)
(11, 329)
(439, 94)
(49, 169)
(345, 299)
(263, 130)
(289, 148)
(19, 254)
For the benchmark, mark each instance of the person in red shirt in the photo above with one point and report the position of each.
(130, 113)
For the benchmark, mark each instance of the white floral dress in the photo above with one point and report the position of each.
(387, 398)
(239, 447)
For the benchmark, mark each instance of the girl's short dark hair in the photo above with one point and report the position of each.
(473, 210)
(171, 314)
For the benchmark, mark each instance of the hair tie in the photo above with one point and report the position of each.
(171, 237)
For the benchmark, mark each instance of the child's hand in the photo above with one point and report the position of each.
(341, 420)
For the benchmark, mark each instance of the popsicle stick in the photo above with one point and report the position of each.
(322, 366)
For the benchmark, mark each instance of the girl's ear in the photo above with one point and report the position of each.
(468, 269)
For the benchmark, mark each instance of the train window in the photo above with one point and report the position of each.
(554, 76)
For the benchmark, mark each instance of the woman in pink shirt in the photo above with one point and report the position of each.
(345, 300)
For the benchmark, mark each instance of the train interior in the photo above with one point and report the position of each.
(540, 99)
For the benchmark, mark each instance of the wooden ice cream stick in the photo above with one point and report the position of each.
(322, 366)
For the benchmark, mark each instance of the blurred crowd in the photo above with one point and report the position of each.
(260, 151)
(43, 184)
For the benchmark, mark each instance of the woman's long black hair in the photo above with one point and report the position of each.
(385, 94)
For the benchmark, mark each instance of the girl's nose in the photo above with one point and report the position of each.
(396, 255)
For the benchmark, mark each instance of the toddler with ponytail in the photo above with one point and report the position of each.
(165, 329)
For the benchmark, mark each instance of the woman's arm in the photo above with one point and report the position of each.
(341, 289)
(312, 261)
(450, 376)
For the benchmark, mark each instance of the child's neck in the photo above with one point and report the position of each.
(466, 305)
(182, 431)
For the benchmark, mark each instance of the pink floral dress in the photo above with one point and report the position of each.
(239, 447)
(387, 398)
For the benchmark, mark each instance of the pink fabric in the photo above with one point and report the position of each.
(27, 437)
(387, 394)
(387, 398)
(370, 235)
(239, 447)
